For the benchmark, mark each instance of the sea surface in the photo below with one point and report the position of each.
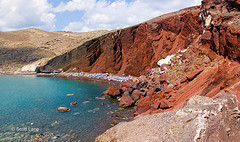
(28, 107)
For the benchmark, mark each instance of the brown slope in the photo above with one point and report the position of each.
(18, 48)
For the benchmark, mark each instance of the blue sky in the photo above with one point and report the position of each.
(83, 15)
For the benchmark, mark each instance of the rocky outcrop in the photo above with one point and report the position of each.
(221, 30)
(201, 119)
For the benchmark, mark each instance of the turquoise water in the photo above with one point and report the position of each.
(29, 104)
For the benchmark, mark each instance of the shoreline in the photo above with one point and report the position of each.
(80, 78)
(94, 77)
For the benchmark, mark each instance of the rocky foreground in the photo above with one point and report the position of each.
(200, 119)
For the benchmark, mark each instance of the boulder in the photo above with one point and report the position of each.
(125, 101)
(202, 119)
(143, 105)
(124, 89)
(73, 103)
(63, 109)
(113, 92)
(136, 95)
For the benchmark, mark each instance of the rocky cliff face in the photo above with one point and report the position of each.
(135, 49)
(221, 30)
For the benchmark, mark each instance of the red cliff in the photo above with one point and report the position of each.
(210, 33)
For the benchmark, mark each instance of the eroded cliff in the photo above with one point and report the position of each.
(133, 50)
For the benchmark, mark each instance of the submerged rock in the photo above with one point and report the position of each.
(70, 94)
(114, 122)
(63, 109)
(73, 103)
(86, 102)
(76, 113)
(118, 115)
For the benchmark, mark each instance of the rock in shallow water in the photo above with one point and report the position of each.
(73, 103)
(63, 109)
(70, 94)
(114, 122)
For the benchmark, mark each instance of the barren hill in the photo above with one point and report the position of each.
(18, 48)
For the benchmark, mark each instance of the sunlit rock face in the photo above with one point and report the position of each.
(201, 119)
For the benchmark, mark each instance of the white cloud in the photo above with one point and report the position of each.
(75, 5)
(104, 14)
(20, 14)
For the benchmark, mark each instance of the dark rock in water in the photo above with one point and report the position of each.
(114, 122)
(125, 101)
(63, 109)
(201, 119)
(73, 103)
(118, 115)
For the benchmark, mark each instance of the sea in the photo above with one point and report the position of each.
(28, 106)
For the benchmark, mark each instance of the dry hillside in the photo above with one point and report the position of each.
(18, 48)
